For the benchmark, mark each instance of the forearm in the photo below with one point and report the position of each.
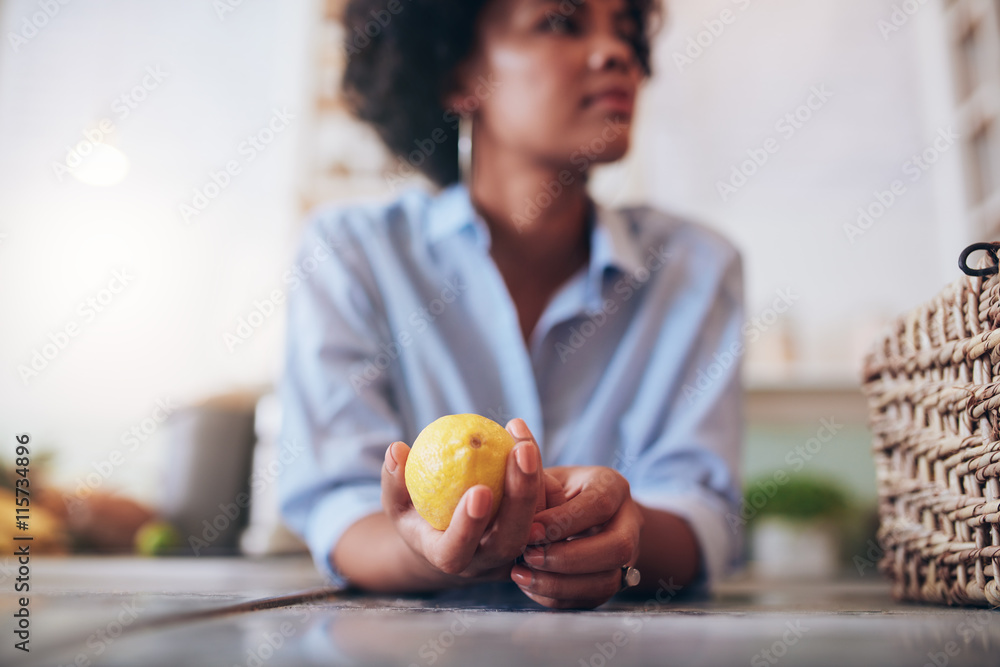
(373, 556)
(668, 549)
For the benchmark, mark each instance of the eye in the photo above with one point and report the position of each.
(558, 24)
(628, 29)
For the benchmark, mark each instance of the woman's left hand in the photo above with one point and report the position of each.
(605, 526)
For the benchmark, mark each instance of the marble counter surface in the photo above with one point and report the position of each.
(219, 611)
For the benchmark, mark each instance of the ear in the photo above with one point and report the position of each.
(460, 85)
(453, 103)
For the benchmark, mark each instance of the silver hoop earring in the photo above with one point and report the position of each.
(465, 149)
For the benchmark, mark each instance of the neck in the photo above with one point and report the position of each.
(535, 220)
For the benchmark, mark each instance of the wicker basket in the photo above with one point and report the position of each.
(933, 387)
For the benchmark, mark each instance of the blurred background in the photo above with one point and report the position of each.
(159, 159)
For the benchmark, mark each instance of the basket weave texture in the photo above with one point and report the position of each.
(932, 381)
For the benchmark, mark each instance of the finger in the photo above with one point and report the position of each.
(593, 506)
(610, 549)
(523, 481)
(566, 588)
(523, 484)
(452, 551)
(540, 496)
(395, 497)
(500, 573)
(552, 603)
(555, 494)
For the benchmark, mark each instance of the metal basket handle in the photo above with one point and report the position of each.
(991, 250)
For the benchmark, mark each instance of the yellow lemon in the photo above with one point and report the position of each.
(451, 455)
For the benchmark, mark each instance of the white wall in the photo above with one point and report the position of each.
(699, 119)
(162, 335)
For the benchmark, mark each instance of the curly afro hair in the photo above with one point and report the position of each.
(402, 56)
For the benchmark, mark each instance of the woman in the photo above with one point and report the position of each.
(607, 341)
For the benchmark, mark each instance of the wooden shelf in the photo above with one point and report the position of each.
(805, 404)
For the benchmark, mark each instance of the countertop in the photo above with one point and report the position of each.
(276, 611)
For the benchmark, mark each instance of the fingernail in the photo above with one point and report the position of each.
(478, 504)
(521, 576)
(520, 430)
(537, 533)
(390, 463)
(525, 459)
(534, 556)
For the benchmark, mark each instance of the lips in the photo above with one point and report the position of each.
(616, 98)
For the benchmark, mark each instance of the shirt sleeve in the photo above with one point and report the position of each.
(338, 415)
(691, 467)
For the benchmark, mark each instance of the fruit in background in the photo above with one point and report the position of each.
(451, 455)
(47, 530)
(157, 537)
(62, 520)
(105, 523)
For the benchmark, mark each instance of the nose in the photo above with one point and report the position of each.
(610, 51)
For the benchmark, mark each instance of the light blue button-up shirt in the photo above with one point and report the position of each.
(399, 315)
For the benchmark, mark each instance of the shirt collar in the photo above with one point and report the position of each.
(613, 244)
(451, 212)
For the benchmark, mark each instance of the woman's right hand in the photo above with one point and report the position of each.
(472, 547)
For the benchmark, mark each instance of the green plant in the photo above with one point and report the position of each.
(800, 497)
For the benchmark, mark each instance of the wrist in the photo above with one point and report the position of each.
(668, 548)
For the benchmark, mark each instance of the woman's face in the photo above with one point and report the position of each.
(554, 81)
